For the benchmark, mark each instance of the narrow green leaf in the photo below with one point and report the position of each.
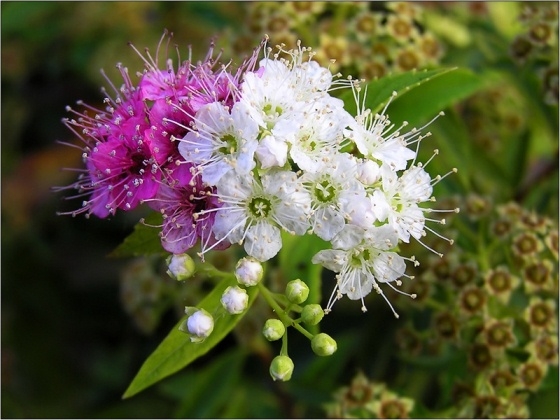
(143, 241)
(419, 105)
(212, 383)
(177, 351)
(380, 90)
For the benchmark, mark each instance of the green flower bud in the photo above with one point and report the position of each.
(312, 314)
(297, 291)
(273, 329)
(323, 344)
(180, 266)
(281, 368)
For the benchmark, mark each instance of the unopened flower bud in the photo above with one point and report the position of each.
(312, 314)
(235, 299)
(199, 324)
(297, 291)
(273, 329)
(368, 172)
(281, 368)
(180, 266)
(323, 344)
(248, 271)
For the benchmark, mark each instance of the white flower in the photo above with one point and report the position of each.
(397, 201)
(235, 299)
(319, 135)
(336, 196)
(371, 134)
(271, 103)
(281, 96)
(376, 137)
(222, 141)
(362, 259)
(255, 210)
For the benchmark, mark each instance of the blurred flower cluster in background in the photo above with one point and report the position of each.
(481, 338)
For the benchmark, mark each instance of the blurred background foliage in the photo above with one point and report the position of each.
(76, 325)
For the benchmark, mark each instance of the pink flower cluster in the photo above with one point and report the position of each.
(129, 149)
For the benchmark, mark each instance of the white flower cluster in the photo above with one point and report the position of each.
(277, 163)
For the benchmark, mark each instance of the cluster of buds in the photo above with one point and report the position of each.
(500, 303)
(376, 39)
(199, 323)
(322, 344)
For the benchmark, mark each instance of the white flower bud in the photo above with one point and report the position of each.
(235, 299)
(248, 271)
(368, 172)
(180, 266)
(281, 368)
(199, 324)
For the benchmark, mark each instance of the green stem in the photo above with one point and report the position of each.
(284, 349)
(483, 252)
(434, 304)
(287, 320)
(212, 272)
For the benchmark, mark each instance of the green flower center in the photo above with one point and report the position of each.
(357, 259)
(272, 113)
(324, 191)
(260, 207)
(230, 144)
(307, 141)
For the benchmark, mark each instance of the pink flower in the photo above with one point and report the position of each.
(176, 95)
(120, 169)
(181, 200)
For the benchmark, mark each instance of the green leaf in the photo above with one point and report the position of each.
(143, 241)
(214, 386)
(212, 383)
(176, 351)
(380, 90)
(425, 101)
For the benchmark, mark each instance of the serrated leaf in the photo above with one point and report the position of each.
(143, 241)
(379, 91)
(176, 351)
